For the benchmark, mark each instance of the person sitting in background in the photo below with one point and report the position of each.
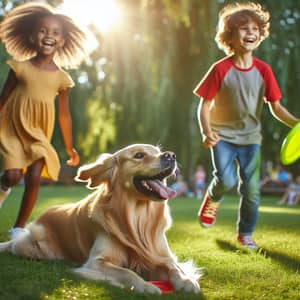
(292, 193)
(199, 181)
(281, 178)
(180, 186)
(297, 199)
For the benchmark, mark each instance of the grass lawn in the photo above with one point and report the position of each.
(229, 271)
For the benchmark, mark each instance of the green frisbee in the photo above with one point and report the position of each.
(290, 149)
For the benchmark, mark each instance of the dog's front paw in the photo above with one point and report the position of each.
(187, 284)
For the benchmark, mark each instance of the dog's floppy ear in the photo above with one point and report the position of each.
(98, 172)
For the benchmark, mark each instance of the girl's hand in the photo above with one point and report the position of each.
(210, 139)
(74, 158)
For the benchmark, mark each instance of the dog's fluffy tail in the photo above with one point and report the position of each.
(5, 246)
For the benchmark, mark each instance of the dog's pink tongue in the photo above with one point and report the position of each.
(164, 191)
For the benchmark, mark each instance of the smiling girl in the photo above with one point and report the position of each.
(40, 42)
(232, 95)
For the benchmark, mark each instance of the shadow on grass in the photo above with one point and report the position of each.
(22, 279)
(230, 247)
(285, 260)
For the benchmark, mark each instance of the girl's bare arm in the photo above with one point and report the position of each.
(65, 123)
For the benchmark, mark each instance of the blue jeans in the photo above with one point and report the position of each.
(237, 164)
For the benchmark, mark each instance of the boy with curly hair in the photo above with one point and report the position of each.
(232, 94)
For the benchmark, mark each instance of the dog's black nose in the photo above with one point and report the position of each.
(168, 159)
(168, 155)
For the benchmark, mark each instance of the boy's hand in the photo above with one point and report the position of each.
(210, 139)
(74, 158)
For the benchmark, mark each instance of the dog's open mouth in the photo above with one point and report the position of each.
(154, 187)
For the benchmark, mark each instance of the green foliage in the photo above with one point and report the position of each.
(137, 85)
(281, 51)
(101, 130)
(230, 272)
(157, 59)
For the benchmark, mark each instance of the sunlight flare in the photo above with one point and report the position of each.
(103, 14)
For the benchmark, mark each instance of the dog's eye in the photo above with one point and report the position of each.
(139, 155)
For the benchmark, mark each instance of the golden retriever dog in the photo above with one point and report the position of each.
(117, 233)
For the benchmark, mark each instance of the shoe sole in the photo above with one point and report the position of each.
(251, 248)
(205, 225)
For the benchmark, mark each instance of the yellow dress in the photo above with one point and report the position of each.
(27, 118)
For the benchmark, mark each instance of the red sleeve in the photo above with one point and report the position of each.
(211, 82)
(272, 90)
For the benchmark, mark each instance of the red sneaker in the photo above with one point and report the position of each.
(247, 241)
(208, 212)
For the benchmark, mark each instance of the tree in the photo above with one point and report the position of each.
(137, 85)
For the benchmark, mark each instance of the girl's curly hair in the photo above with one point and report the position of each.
(20, 24)
(236, 14)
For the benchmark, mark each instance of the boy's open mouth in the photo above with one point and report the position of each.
(250, 40)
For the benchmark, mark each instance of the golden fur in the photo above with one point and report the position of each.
(117, 233)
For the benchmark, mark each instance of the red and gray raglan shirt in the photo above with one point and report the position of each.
(238, 96)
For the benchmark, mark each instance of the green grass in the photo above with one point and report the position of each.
(230, 272)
